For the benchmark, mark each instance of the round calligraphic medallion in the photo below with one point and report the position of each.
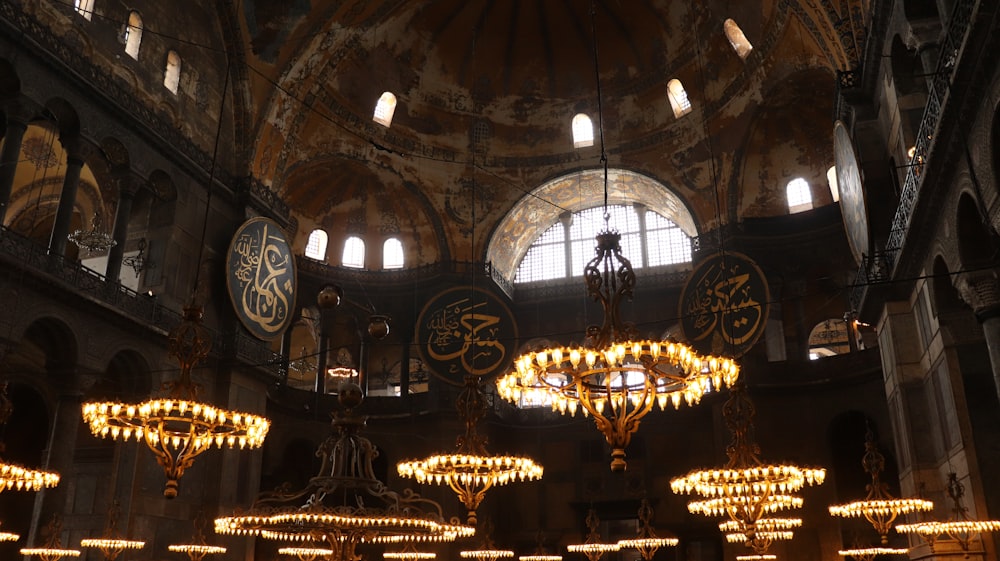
(463, 331)
(724, 304)
(260, 276)
(852, 195)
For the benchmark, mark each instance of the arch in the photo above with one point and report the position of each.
(384, 109)
(534, 213)
(126, 376)
(583, 131)
(172, 71)
(26, 435)
(678, 97)
(132, 34)
(354, 253)
(737, 39)
(392, 254)
(54, 342)
(828, 338)
(316, 245)
(10, 82)
(974, 237)
(66, 118)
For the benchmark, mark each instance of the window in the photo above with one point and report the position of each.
(392, 254)
(799, 195)
(84, 7)
(737, 39)
(831, 178)
(354, 253)
(316, 245)
(647, 240)
(172, 74)
(384, 109)
(132, 34)
(583, 131)
(678, 98)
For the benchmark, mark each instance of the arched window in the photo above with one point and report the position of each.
(828, 338)
(354, 253)
(799, 195)
(172, 74)
(583, 131)
(392, 254)
(831, 178)
(647, 240)
(384, 109)
(737, 39)
(316, 245)
(132, 34)
(84, 7)
(678, 98)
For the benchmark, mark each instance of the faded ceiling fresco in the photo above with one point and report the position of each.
(487, 90)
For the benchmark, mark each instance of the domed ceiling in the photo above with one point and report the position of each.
(487, 89)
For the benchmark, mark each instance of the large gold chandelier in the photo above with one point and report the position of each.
(345, 504)
(960, 529)
(879, 507)
(615, 377)
(13, 476)
(765, 532)
(470, 471)
(646, 541)
(177, 428)
(746, 490)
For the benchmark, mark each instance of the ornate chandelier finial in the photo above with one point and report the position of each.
(177, 428)
(470, 471)
(878, 507)
(746, 490)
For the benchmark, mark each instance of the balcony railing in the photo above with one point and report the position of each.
(23, 254)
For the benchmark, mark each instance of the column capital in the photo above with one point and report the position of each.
(19, 114)
(981, 291)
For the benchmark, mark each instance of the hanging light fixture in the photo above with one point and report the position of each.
(487, 551)
(345, 504)
(13, 476)
(647, 542)
(409, 553)
(746, 490)
(9, 537)
(137, 262)
(52, 550)
(870, 553)
(177, 428)
(305, 553)
(112, 545)
(593, 547)
(470, 471)
(879, 507)
(198, 549)
(94, 240)
(540, 554)
(764, 533)
(959, 528)
(756, 557)
(615, 377)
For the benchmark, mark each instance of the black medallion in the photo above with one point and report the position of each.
(724, 305)
(260, 276)
(464, 331)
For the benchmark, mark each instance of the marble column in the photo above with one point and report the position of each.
(59, 456)
(127, 187)
(17, 124)
(67, 199)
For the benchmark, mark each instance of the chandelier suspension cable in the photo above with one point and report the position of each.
(600, 107)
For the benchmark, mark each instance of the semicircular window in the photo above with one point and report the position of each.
(647, 240)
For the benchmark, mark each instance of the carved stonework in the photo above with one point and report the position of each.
(980, 290)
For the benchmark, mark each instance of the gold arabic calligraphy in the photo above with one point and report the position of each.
(265, 277)
(722, 299)
(465, 339)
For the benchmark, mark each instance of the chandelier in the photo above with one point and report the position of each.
(879, 507)
(960, 528)
(757, 557)
(470, 471)
(111, 545)
(52, 550)
(764, 533)
(13, 476)
(614, 377)
(646, 541)
(304, 364)
(487, 551)
(345, 504)
(9, 537)
(593, 548)
(746, 490)
(176, 427)
(197, 550)
(94, 240)
(870, 553)
(409, 553)
(540, 554)
(305, 553)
